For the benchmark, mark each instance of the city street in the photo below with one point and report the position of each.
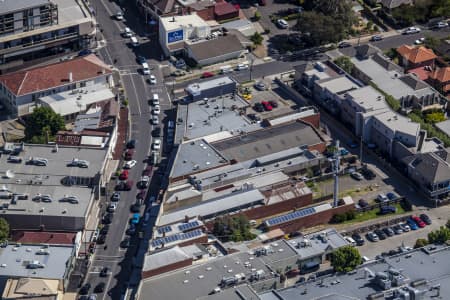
(137, 91)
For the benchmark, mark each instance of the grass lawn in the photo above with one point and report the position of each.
(373, 214)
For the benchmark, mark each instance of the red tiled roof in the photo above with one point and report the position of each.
(224, 8)
(416, 54)
(441, 74)
(40, 237)
(421, 73)
(54, 75)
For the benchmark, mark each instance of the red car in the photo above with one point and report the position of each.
(123, 175)
(419, 221)
(267, 105)
(207, 74)
(129, 154)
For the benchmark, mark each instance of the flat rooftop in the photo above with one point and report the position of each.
(208, 84)
(9, 6)
(69, 10)
(15, 259)
(220, 114)
(267, 141)
(176, 22)
(399, 123)
(338, 85)
(368, 98)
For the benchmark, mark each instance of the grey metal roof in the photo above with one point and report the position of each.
(14, 260)
(8, 6)
(162, 258)
(216, 47)
(238, 293)
(267, 141)
(431, 166)
(228, 202)
(208, 84)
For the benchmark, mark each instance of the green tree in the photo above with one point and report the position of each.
(447, 224)
(420, 243)
(345, 63)
(435, 117)
(236, 228)
(41, 122)
(257, 16)
(439, 236)
(257, 38)
(4, 230)
(345, 259)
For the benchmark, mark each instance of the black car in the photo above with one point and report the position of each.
(131, 230)
(380, 234)
(131, 144)
(156, 132)
(425, 218)
(100, 288)
(104, 272)
(135, 208)
(344, 45)
(85, 289)
(104, 229)
(363, 203)
(258, 107)
(115, 196)
(101, 239)
(125, 243)
(140, 59)
(254, 117)
(358, 239)
(107, 219)
(368, 174)
(388, 231)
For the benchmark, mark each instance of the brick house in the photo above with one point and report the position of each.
(416, 57)
(440, 79)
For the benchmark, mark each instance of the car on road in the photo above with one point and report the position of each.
(128, 33)
(397, 229)
(207, 74)
(388, 231)
(104, 229)
(376, 38)
(100, 287)
(405, 227)
(101, 239)
(412, 224)
(357, 176)
(125, 243)
(381, 235)
(358, 239)
(124, 175)
(112, 207)
(344, 45)
(281, 23)
(135, 219)
(130, 164)
(129, 154)
(131, 144)
(119, 16)
(115, 196)
(411, 30)
(241, 67)
(107, 218)
(145, 68)
(419, 221)
(267, 106)
(440, 24)
(85, 289)
(425, 218)
(152, 79)
(156, 110)
(419, 41)
(156, 132)
(140, 59)
(156, 145)
(372, 236)
(124, 185)
(154, 120)
(104, 272)
(261, 86)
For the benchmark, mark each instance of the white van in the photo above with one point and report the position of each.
(155, 99)
(145, 69)
(134, 41)
(226, 69)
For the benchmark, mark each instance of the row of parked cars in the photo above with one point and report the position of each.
(265, 106)
(412, 223)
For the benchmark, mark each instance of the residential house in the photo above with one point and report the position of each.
(431, 172)
(417, 60)
(440, 79)
(20, 91)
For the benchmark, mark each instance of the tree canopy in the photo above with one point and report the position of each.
(345, 259)
(235, 228)
(439, 236)
(345, 63)
(4, 230)
(41, 122)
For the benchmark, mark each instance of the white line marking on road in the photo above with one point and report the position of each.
(110, 13)
(137, 98)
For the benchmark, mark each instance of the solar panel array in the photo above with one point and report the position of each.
(291, 216)
(177, 237)
(164, 229)
(187, 226)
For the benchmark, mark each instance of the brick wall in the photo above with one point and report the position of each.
(167, 268)
(314, 120)
(321, 147)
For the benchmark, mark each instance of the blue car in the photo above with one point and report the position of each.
(412, 224)
(391, 196)
(135, 219)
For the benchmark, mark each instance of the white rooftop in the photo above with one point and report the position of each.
(176, 22)
(368, 98)
(398, 123)
(338, 85)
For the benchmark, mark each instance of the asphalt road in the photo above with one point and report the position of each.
(118, 53)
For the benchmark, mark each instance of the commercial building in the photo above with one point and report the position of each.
(26, 288)
(410, 91)
(20, 91)
(220, 86)
(51, 187)
(41, 28)
(208, 52)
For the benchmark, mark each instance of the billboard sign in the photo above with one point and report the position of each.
(175, 36)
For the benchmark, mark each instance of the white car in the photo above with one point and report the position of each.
(411, 30)
(154, 120)
(282, 24)
(152, 79)
(440, 24)
(242, 67)
(112, 207)
(156, 145)
(156, 110)
(419, 41)
(127, 32)
(119, 16)
(130, 164)
(145, 69)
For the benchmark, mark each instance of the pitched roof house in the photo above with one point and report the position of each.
(414, 57)
(440, 79)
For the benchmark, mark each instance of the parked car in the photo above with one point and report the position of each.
(85, 289)
(156, 132)
(397, 229)
(115, 197)
(273, 103)
(207, 74)
(130, 164)
(119, 16)
(368, 173)
(258, 107)
(135, 219)
(391, 196)
(156, 145)
(419, 41)
(281, 23)
(147, 171)
(381, 198)
(107, 218)
(101, 239)
(123, 175)
(125, 243)
(358, 239)
(388, 209)
(151, 79)
(136, 207)
(363, 203)
(100, 287)
(357, 176)
(104, 229)
(112, 207)
(154, 120)
(140, 59)
(405, 227)
(426, 219)
(388, 231)
(104, 272)
(180, 64)
(261, 86)
(344, 45)
(372, 236)
(254, 117)
(156, 110)
(124, 185)
(129, 154)
(411, 30)
(241, 67)
(376, 38)
(131, 144)
(440, 24)
(381, 234)
(267, 106)
(412, 224)
(419, 221)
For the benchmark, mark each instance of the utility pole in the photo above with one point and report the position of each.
(336, 162)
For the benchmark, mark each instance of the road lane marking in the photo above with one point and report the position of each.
(137, 97)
